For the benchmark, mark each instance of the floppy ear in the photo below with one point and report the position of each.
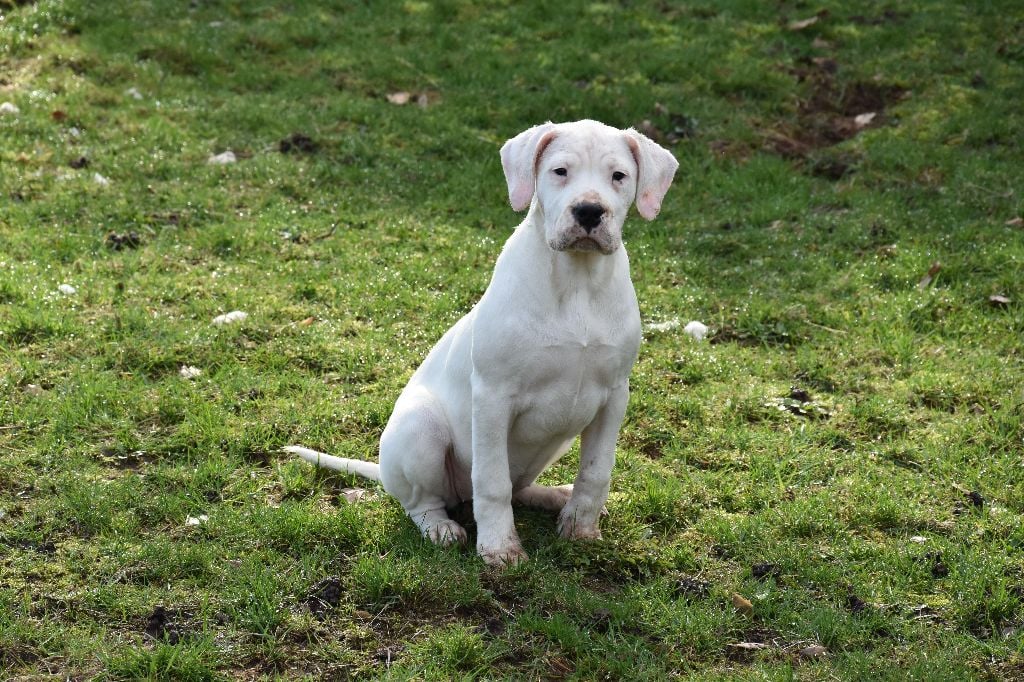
(519, 159)
(655, 168)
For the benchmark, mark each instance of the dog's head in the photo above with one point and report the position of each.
(583, 176)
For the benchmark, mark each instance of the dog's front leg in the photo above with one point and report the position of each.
(497, 541)
(578, 519)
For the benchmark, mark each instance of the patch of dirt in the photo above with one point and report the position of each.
(688, 587)
(123, 240)
(324, 597)
(161, 626)
(833, 110)
(298, 143)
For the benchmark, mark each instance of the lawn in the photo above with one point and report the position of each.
(831, 486)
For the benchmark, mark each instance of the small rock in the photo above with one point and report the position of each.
(80, 162)
(74, 132)
(34, 389)
(864, 120)
(999, 301)
(100, 180)
(189, 372)
(976, 499)
(230, 318)
(362, 615)
(9, 109)
(222, 159)
(919, 539)
(399, 98)
(67, 290)
(813, 651)
(696, 330)
(196, 520)
(133, 92)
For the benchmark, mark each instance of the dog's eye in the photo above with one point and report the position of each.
(561, 171)
(618, 176)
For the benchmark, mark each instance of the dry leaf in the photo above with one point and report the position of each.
(58, 115)
(929, 276)
(1015, 222)
(999, 301)
(352, 495)
(399, 98)
(742, 604)
(306, 322)
(362, 615)
(749, 646)
(803, 23)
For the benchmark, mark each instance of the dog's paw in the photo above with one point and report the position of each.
(446, 533)
(572, 527)
(503, 557)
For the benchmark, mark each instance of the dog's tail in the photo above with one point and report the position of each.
(370, 470)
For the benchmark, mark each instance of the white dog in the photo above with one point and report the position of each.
(543, 357)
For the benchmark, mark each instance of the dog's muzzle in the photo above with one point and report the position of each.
(588, 215)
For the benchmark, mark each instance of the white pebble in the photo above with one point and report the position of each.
(228, 318)
(696, 330)
(133, 92)
(100, 180)
(74, 132)
(9, 109)
(223, 158)
(196, 520)
(67, 289)
(189, 372)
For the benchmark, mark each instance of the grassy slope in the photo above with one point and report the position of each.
(808, 281)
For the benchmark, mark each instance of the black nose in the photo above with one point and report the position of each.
(588, 215)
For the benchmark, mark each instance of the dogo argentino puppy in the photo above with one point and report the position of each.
(543, 357)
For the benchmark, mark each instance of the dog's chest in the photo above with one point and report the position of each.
(570, 373)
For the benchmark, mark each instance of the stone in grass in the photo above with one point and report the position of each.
(222, 159)
(813, 651)
(9, 109)
(230, 318)
(67, 290)
(189, 372)
(196, 520)
(696, 330)
(100, 180)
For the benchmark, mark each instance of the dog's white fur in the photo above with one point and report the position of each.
(543, 357)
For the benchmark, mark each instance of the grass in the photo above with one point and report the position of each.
(818, 455)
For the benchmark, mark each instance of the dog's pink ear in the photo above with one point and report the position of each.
(519, 159)
(655, 169)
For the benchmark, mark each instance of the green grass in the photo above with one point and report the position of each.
(802, 251)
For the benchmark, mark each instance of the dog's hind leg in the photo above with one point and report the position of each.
(417, 466)
(552, 498)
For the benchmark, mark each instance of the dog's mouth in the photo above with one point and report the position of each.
(585, 244)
